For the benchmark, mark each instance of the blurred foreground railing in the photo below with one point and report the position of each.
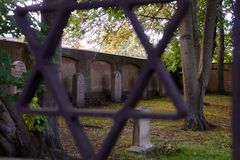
(43, 69)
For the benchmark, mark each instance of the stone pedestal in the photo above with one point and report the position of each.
(78, 90)
(141, 134)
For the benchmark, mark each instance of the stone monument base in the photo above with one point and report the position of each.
(140, 149)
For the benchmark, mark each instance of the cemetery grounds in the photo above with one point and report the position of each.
(171, 141)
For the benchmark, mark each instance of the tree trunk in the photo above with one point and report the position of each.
(52, 134)
(189, 56)
(196, 69)
(15, 140)
(220, 55)
(207, 44)
(195, 25)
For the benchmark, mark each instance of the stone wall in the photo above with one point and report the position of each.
(69, 68)
(99, 71)
(17, 51)
(130, 74)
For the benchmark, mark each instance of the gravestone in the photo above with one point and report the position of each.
(141, 134)
(17, 71)
(163, 91)
(78, 90)
(117, 90)
(145, 93)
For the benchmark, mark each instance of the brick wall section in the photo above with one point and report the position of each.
(130, 74)
(69, 68)
(100, 72)
(98, 68)
(17, 51)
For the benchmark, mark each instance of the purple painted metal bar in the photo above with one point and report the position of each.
(43, 70)
(236, 83)
(88, 5)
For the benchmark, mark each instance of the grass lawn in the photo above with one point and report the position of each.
(170, 140)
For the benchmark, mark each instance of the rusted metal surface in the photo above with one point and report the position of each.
(43, 70)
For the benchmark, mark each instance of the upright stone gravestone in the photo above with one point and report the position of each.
(78, 90)
(145, 94)
(117, 90)
(161, 89)
(17, 71)
(141, 134)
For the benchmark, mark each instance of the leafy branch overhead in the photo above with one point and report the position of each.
(108, 30)
(7, 22)
(101, 23)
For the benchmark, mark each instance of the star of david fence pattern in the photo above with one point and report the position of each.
(43, 69)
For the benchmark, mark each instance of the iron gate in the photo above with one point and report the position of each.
(43, 69)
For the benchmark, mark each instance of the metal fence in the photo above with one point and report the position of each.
(43, 69)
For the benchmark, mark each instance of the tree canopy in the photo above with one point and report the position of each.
(108, 30)
(7, 23)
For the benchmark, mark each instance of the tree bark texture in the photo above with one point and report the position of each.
(196, 68)
(195, 26)
(205, 62)
(15, 140)
(220, 54)
(52, 134)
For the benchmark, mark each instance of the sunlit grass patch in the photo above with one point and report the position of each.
(170, 140)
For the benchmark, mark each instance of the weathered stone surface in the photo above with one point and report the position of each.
(145, 93)
(78, 90)
(117, 90)
(17, 71)
(98, 70)
(162, 91)
(141, 134)
(68, 69)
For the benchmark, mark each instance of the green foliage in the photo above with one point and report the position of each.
(7, 22)
(5, 77)
(5, 67)
(35, 123)
(172, 58)
(227, 57)
(96, 25)
(8, 26)
(114, 13)
(123, 42)
(111, 31)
